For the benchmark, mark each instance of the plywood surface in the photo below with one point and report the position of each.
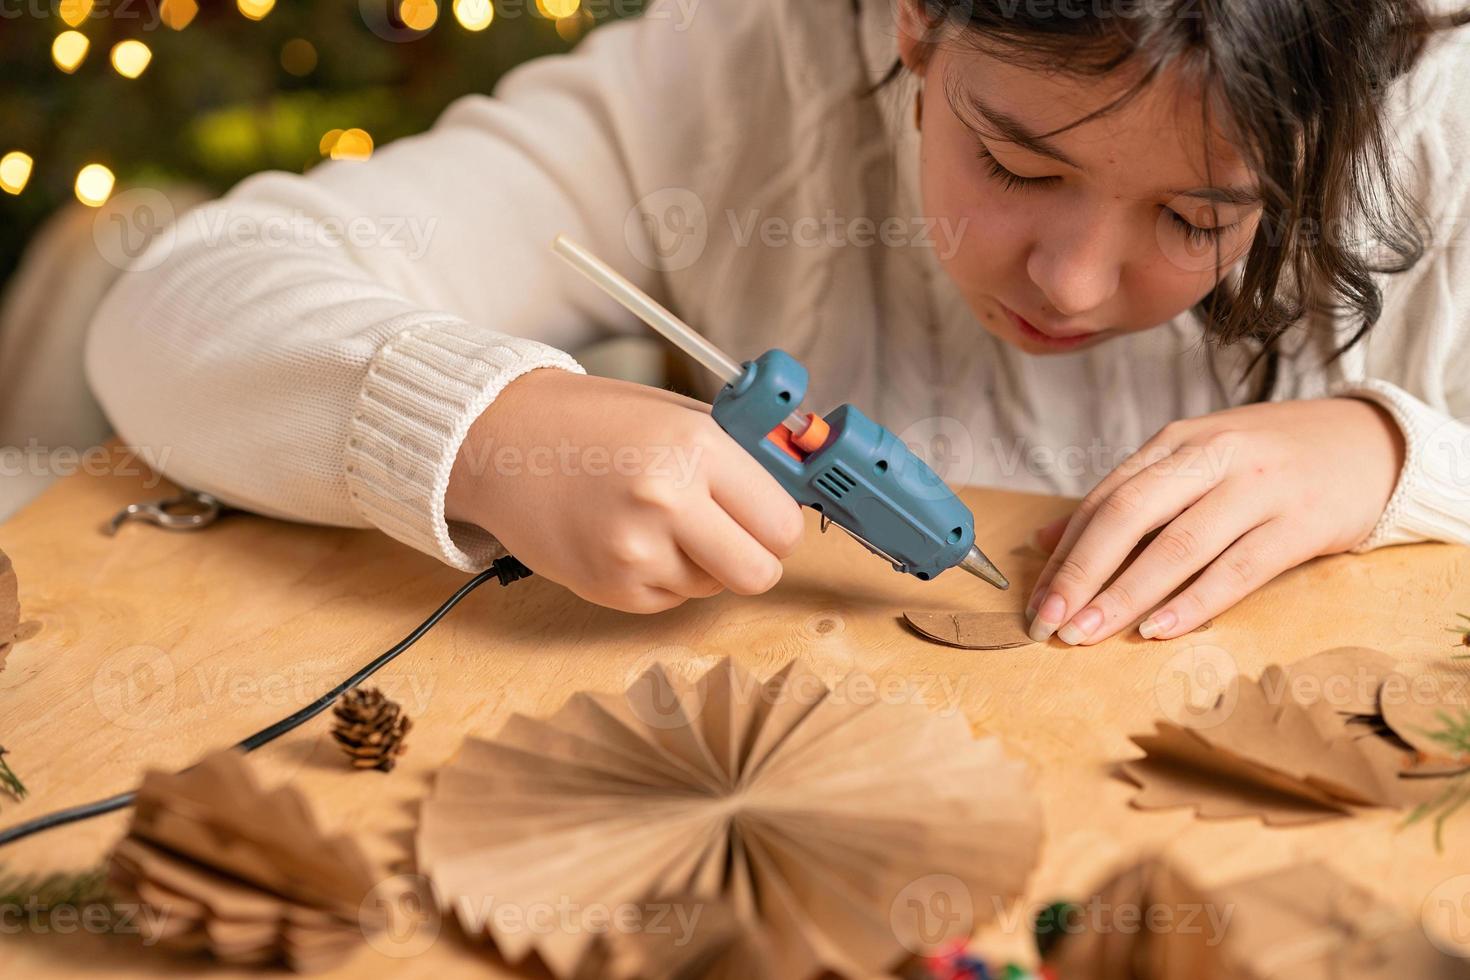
(155, 647)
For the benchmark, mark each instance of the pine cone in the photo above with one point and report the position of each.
(370, 728)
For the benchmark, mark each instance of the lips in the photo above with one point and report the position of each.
(1045, 335)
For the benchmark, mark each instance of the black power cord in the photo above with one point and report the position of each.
(508, 569)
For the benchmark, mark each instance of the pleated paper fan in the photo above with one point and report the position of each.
(826, 824)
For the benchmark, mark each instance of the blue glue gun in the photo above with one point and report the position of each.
(853, 471)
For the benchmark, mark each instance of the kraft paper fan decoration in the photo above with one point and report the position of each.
(809, 822)
(1302, 922)
(12, 630)
(241, 873)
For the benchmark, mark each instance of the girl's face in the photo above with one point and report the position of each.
(1111, 227)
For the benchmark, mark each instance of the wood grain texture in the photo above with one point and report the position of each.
(157, 647)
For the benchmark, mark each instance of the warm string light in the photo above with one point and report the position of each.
(94, 185)
(69, 49)
(15, 171)
(178, 14)
(298, 57)
(131, 58)
(418, 15)
(346, 144)
(255, 9)
(557, 9)
(474, 15)
(74, 12)
(570, 28)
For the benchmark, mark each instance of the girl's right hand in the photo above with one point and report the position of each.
(630, 496)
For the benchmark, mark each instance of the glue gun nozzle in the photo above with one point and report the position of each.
(981, 567)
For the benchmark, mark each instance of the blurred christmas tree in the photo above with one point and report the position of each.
(207, 91)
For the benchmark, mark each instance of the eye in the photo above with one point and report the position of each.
(1197, 235)
(1008, 180)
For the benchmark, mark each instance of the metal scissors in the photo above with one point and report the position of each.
(189, 511)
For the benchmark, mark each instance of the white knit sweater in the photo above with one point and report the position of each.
(315, 347)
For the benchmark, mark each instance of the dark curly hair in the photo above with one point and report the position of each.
(1302, 84)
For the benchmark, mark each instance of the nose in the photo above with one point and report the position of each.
(1076, 262)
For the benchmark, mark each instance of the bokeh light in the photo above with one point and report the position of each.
(178, 13)
(347, 144)
(15, 171)
(255, 9)
(474, 15)
(418, 15)
(558, 8)
(74, 12)
(69, 49)
(571, 28)
(298, 57)
(131, 58)
(94, 185)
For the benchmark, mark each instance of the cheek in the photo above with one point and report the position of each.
(1164, 281)
(993, 229)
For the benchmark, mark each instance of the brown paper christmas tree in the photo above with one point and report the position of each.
(1342, 729)
(241, 873)
(807, 823)
(1259, 752)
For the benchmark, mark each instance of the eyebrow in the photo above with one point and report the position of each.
(1012, 130)
(1222, 195)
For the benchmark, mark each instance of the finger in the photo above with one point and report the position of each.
(760, 505)
(1244, 567)
(1046, 538)
(676, 572)
(1185, 545)
(643, 600)
(1154, 451)
(725, 552)
(1152, 498)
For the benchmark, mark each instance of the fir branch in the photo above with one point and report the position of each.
(1454, 796)
(1456, 737)
(9, 780)
(77, 889)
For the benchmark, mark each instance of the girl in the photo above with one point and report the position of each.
(1195, 259)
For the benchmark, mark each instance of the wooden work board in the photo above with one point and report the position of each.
(157, 646)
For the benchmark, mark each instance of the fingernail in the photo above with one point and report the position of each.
(1083, 625)
(1048, 617)
(1159, 622)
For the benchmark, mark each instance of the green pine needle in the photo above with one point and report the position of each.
(1455, 736)
(9, 780)
(57, 889)
(1454, 796)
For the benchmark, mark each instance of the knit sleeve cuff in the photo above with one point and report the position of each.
(1432, 499)
(423, 389)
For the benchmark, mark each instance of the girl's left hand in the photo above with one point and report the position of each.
(1241, 496)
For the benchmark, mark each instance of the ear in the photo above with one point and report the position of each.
(915, 36)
